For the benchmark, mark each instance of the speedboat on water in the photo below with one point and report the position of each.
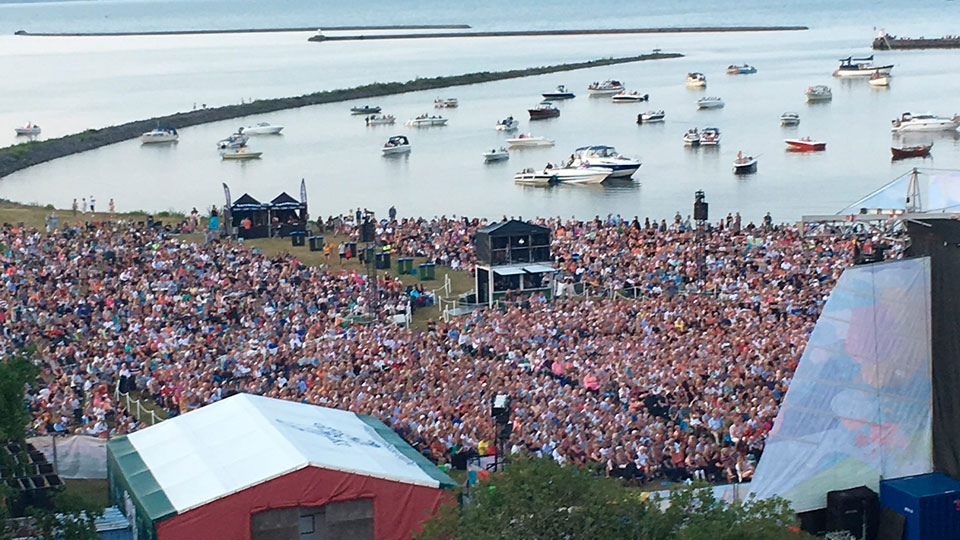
(924, 122)
(632, 97)
(710, 136)
(236, 140)
(819, 92)
(605, 157)
(531, 176)
(449, 103)
(495, 154)
(508, 124)
(240, 153)
(605, 88)
(745, 69)
(789, 119)
(744, 164)
(879, 79)
(262, 128)
(860, 67)
(160, 135)
(381, 120)
(710, 103)
(650, 117)
(396, 145)
(29, 129)
(691, 137)
(544, 110)
(366, 109)
(922, 150)
(525, 139)
(580, 175)
(560, 93)
(696, 80)
(425, 120)
(805, 144)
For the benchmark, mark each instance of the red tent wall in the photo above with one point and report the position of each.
(398, 508)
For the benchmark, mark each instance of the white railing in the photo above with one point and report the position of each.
(136, 407)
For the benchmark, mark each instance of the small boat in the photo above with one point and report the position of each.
(805, 144)
(449, 103)
(262, 128)
(632, 97)
(160, 135)
(745, 69)
(650, 117)
(531, 176)
(605, 88)
(691, 137)
(240, 153)
(425, 120)
(819, 92)
(544, 110)
(710, 103)
(381, 120)
(696, 80)
(236, 140)
(398, 144)
(579, 175)
(744, 164)
(860, 67)
(922, 150)
(366, 109)
(605, 157)
(529, 140)
(789, 119)
(507, 124)
(496, 154)
(29, 129)
(879, 79)
(710, 137)
(924, 122)
(560, 93)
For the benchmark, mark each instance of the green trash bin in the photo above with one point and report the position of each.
(427, 271)
(316, 243)
(404, 265)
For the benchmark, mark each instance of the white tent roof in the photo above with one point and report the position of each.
(245, 440)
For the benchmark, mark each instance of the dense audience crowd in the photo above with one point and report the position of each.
(682, 381)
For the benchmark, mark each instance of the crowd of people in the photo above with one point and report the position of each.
(682, 380)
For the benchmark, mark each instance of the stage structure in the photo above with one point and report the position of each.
(280, 217)
(513, 257)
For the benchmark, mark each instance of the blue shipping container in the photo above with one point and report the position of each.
(930, 502)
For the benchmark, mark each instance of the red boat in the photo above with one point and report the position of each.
(805, 144)
(922, 150)
(544, 110)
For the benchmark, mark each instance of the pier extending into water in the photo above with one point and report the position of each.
(582, 32)
(401, 27)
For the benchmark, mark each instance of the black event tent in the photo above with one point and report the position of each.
(246, 207)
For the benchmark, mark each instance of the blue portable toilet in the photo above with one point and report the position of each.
(929, 502)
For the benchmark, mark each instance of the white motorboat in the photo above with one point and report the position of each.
(580, 175)
(819, 92)
(160, 135)
(398, 144)
(924, 122)
(632, 97)
(30, 129)
(240, 153)
(789, 119)
(508, 124)
(860, 67)
(691, 137)
(365, 109)
(744, 164)
(710, 136)
(531, 176)
(605, 157)
(879, 79)
(236, 140)
(560, 93)
(696, 80)
(605, 88)
(425, 120)
(262, 128)
(650, 117)
(449, 103)
(525, 139)
(496, 154)
(381, 120)
(745, 69)
(710, 103)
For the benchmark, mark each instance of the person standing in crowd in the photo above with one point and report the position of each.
(112, 207)
(83, 206)
(393, 213)
(93, 203)
(74, 207)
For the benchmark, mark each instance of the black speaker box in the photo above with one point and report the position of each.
(855, 510)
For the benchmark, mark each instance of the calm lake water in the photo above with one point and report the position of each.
(70, 84)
